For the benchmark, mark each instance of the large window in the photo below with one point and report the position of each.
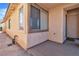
(9, 24)
(35, 18)
(21, 19)
(38, 19)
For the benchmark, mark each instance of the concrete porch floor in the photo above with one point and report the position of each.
(13, 50)
(47, 48)
(50, 48)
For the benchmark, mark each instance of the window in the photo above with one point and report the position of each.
(9, 24)
(43, 20)
(21, 19)
(34, 19)
(38, 19)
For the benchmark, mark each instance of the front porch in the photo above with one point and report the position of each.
(47, 48)
(50, 48)
(50, 26)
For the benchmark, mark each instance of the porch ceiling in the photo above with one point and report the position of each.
(47, 6)
(73, 7)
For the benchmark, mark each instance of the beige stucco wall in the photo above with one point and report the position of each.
(37, 38)
(57, 23)
(25, 39)
(72, 26)
(22, 40)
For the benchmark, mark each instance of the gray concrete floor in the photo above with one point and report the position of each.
(50, 48)
(13, 50)
(47, 48)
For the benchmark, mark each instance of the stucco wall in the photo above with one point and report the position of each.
(14, 30)
(55, 24)
(37, 38)
(72, 26)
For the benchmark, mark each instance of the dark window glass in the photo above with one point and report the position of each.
(38, 19)
(34, 19)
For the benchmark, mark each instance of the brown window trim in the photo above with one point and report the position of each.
(30, 31)
(38, 31)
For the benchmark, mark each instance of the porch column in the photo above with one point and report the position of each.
(56, 25)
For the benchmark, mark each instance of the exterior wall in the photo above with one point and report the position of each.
(37, 37)
(72, 26)
(25, 39)
(22, 40)
(3, 27)
(56, 24)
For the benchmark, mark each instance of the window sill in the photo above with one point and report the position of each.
(38, 31)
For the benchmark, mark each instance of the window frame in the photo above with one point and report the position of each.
(30, 30)
(21, 25)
